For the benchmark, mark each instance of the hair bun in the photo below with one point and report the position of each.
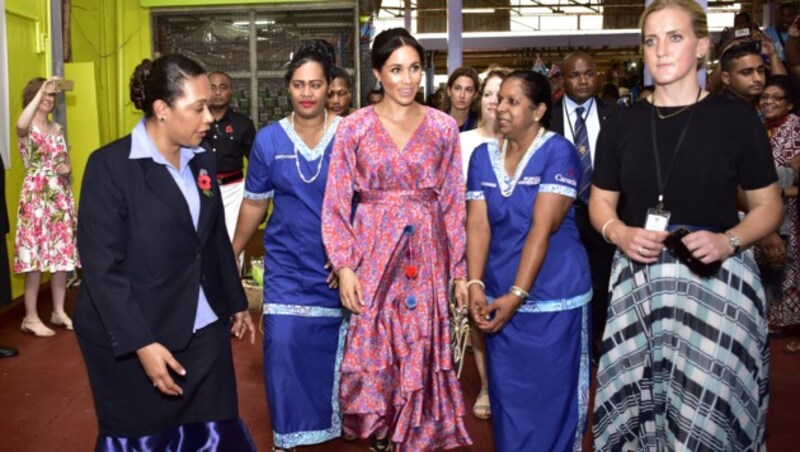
(138, 83)
(318, 47)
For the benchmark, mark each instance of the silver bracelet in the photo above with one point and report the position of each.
(476, 281)
(518, 291)
(603, 229)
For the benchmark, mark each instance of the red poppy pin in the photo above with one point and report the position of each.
(204, 183)
(229, 129)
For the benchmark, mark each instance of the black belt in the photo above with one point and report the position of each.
(230, 177)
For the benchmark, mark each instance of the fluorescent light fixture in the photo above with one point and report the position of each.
(246, 23)
(478, 11)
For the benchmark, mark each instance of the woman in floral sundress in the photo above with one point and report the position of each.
(45, 240)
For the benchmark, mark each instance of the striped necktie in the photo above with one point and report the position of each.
(581, 139)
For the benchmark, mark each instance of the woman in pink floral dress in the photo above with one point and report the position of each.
(396, 257)
(45, 240)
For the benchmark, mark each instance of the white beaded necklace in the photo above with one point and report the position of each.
(297, 156)
(506, 191)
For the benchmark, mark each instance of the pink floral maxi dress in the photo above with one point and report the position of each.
(405, 242)
(46, 226)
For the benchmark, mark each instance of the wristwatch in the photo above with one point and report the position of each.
(735, 241)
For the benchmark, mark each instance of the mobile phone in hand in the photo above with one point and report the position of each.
(675, 245)
(64, 85)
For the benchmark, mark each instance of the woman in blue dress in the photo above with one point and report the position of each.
(529, 274)
(303, 324)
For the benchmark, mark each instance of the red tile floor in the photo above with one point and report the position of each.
(46, 403)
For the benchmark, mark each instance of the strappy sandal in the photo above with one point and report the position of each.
(37, 328)
(61, 319)
(381, 445)
(482, 409)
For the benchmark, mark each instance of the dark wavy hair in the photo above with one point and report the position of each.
(31, 88)
(161, 79)
(536, 89)
(390, 40)
(319, 51)
(472, 74)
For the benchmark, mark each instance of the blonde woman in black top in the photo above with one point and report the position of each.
(685, 362)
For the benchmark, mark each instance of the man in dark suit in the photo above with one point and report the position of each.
(5, 279)
(578, 116)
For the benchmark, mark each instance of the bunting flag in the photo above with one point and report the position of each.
(539, 66)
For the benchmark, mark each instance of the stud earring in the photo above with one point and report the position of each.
(161, 119)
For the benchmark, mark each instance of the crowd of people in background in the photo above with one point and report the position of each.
(558, 207)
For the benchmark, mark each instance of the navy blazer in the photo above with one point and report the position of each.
(143, 262)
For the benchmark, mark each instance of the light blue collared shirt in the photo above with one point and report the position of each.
(142, 147)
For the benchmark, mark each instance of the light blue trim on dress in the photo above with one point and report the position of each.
(259, 196)
(561, 304)
(477, 195)
(301, 146)
(288, 440)
(583, 381)
(507, 184)
(301, 311)
(559, 190)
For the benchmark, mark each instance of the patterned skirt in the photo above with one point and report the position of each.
(397, 375)
(686, 358)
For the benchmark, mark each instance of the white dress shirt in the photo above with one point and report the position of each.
(592, 121)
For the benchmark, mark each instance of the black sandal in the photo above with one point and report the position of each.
(381, 445)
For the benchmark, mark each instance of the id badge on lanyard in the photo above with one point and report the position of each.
(657, 219)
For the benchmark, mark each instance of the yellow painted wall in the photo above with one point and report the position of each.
(115, 36)
(27, 59)
(82, 119)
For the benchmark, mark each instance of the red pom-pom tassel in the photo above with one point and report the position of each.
(411, 271)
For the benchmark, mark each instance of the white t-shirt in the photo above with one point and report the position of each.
(470, 140)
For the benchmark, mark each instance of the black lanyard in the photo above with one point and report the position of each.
(663, 183)
(585, 119)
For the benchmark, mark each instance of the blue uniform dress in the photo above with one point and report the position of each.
(539, 361)
(304, 326)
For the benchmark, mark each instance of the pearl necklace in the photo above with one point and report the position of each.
(297, 156)
(512, 183)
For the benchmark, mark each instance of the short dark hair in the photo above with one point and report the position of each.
(318, 51)
(340, 72)
(610, 89)
(390, 40)
(536, 89)
(161, 79)
(737, 49)
(744, 16)
(222, 73)
(789, 86)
